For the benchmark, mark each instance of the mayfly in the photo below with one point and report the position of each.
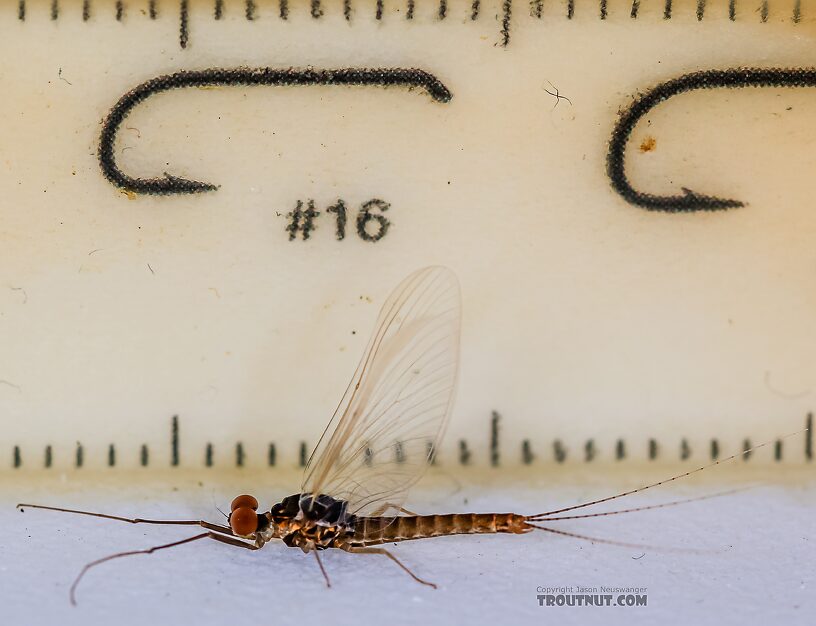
(398, 403)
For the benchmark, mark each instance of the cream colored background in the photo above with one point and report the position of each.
(584, 316)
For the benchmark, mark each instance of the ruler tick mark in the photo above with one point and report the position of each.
(21, 10)
(284, 9)
(55, 10)
(347, 10)
(174, 441)
(494, 438)
(474, 10)
(589, 451)
(271, 457)
(79, 459)
(797, 11)
(620, 450)
(809, 437)
(208, 455)
(701, 5)
(778, 450)
(732, 10)
(304, 454)
(652, 449)
(249, 10)
(763, 11)
(378, 12)
(442, 13)
(715, 449)
(527, 456)
(111, 456)
(559, 451)
(685, 450)
(239, 454)
(570, 9)
(18, 460)
(317, 10)
(49, 457)
(464, 453)
(536, 8)
(152, 10)
(144, 457)
(635, 8)
(86, 10)
(218, 9)
(603, 9)
(667, 10)
(184, 23)
(409, 14)
(507, 10)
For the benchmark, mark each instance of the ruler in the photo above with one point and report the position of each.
(206, 202)
(505, 14)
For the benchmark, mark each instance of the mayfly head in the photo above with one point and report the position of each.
(244, 520)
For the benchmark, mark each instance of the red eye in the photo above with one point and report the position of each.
(244, 520)
(244, 501)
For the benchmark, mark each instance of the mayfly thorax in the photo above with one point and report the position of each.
(402, 391)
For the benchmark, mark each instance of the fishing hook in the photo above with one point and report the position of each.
(689, 201)
(242, 76)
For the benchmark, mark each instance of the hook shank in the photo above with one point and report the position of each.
(689, 201)
(242, 76)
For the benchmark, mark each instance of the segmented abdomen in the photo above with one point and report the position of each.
(374, 530)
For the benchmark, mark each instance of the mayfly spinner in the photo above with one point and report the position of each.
(401, 395)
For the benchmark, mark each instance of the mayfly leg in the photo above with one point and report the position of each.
(387, 506)
(322, 569)
(217, 532)
(230, 541)
(383, 551)
(226, 530)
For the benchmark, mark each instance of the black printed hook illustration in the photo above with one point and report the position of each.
(242, 76)
(689, 201)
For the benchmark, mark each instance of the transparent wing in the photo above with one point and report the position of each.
(396, 407)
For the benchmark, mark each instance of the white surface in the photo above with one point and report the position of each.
(752, 561)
